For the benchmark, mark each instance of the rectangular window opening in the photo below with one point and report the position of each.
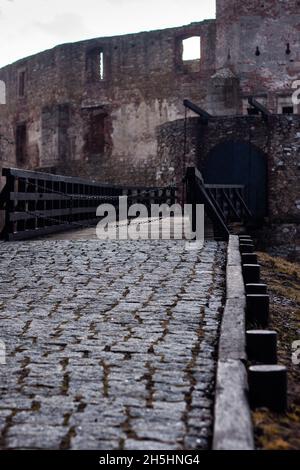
(21, 144)
(101, 65)
(191, 48)
(96, 64)
(21, 84)
(285, 105)
(96, 135)
(287, 110)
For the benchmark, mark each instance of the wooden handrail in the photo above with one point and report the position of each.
(197, 194)
(223, 203)
(38, 203)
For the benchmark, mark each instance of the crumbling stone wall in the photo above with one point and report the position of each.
(278, 137)
(62, 96)
(259, 41)
(91, 108)
(111, 108)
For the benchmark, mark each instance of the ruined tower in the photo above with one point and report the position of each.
(260, 40)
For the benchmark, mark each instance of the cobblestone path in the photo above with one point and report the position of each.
(109, 345)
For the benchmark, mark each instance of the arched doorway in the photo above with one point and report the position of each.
(240, 163)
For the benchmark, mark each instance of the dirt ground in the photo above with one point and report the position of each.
(275, 431)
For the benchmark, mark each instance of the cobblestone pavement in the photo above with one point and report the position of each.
(109, 345)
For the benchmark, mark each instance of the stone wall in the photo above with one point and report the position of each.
(278, 138)
(261, 41)
(111, 108)
(92, 108)
(64, 97)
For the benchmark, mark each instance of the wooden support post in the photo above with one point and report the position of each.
(246, 248)
(191, 192)
(268, 387)
(257, 312)
(251, 273)
(249, 258)
(10, 206)
(245, 240)
(256, 288)
(262, 346)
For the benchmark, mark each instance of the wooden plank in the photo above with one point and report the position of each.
(40, 176)
(16, 196)
(209, 203)
(196, 109)
(4, 196)
(230, 204)
(29, 234)
(40, 197)
(224, 186)
(21, 196)
(253, 102)
(245, 207)
(15, 216)
(216, 203)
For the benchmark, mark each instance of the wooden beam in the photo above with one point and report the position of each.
(262, 109)
(196, 109)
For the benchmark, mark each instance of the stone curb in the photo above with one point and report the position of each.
(232, 422)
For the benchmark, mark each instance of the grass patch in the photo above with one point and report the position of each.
(282, 431)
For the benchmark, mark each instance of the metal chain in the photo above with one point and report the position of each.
(148, 221)
(86, 225)
(104, 197)
(59, 222)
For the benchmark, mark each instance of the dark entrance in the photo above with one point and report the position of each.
(240, 163)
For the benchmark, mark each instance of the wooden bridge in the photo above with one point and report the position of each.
(116, 344)
(38, 204)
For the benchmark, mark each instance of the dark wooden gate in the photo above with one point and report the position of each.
(240, 163)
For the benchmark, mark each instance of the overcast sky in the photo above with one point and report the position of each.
(30, 26)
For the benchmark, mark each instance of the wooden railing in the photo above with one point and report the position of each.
(38, 204)
(223, 203)
(230, 201)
